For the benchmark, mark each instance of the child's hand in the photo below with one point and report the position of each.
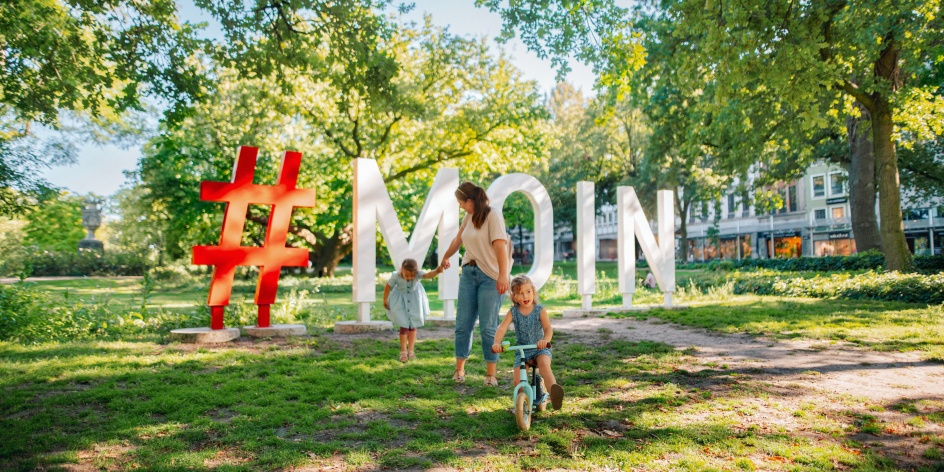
(386, 304)
(543, 344)
(496, 348)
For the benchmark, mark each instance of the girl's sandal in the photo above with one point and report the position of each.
(403, 356)
(411, 356)
(459, 378)
(491, 381)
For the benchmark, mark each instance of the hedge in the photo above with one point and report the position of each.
(865, 261)
(868, 285)
(35, 263)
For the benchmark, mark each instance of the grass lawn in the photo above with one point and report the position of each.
(329, 400)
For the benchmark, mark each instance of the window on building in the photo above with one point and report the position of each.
(819, 186)
(819, 213)
(837, 185)
(914, 214)
(732, 207)
(839, 213)
(792, 198)
(783, 197)
(745, 209)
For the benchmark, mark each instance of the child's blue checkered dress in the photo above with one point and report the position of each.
(528, 330)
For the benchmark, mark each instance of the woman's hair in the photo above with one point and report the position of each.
(518, 283)
(409, 265)
(470, 191)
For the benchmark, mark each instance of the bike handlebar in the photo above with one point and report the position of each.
(507, 346)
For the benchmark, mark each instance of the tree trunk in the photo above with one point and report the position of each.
(862, 183)
(683, 228)
(897, 255)
(332, 251)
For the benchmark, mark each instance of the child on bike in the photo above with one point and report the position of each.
(532, 326)
(406, 303)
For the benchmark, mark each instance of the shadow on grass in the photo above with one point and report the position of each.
(287, 406)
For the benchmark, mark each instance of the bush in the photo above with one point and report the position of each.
(868, 285)
(33, 262)
(870, 260)
(29, 315)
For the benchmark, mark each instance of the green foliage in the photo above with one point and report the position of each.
(596, 32)
(456, 105)
(868, 285)
(56, 225)
(96, 56)
(84, 262)
(871, 260)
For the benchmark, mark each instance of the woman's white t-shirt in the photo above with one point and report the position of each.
(478, 242)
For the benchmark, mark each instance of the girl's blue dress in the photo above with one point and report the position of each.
(528, 330)
(409, 305)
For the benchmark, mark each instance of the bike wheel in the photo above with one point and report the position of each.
(523, 412)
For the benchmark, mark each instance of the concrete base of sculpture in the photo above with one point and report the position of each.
(276, 331)
(628, 309)
(441, 321)
(356, 327)
(582, 313)
(204, 335)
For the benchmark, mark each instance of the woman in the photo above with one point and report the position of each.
(484, 278)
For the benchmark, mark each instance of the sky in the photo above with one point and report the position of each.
(100, 168)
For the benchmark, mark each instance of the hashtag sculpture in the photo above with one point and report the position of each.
(273, 255)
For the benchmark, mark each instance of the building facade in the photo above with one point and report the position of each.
(814, 221)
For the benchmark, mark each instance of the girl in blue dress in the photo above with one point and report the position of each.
(532, 326)
(406, 303)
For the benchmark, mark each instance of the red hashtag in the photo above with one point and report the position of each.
(273, 255)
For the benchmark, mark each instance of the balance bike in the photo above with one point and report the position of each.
(527, 397)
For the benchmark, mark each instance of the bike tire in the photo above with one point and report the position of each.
(523, 411)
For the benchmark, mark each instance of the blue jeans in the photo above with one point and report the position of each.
(478, 299)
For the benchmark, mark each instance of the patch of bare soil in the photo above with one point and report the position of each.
(845, 381)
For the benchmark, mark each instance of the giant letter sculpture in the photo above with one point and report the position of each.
(632, 223)
(229, 254)
(504, 186)
(372, 204)
(586, 244)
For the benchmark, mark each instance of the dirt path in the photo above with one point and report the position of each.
(837, 378)
(830, 368)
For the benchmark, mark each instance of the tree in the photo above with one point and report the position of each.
(56, 225)
(593, 142)
(451, 104)
(786, 69)
(877, 53)
(98, 59)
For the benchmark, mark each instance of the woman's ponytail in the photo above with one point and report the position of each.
(470, 191)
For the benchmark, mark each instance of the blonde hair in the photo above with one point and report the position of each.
(516, 286)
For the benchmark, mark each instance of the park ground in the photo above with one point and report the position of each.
(736, 382)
